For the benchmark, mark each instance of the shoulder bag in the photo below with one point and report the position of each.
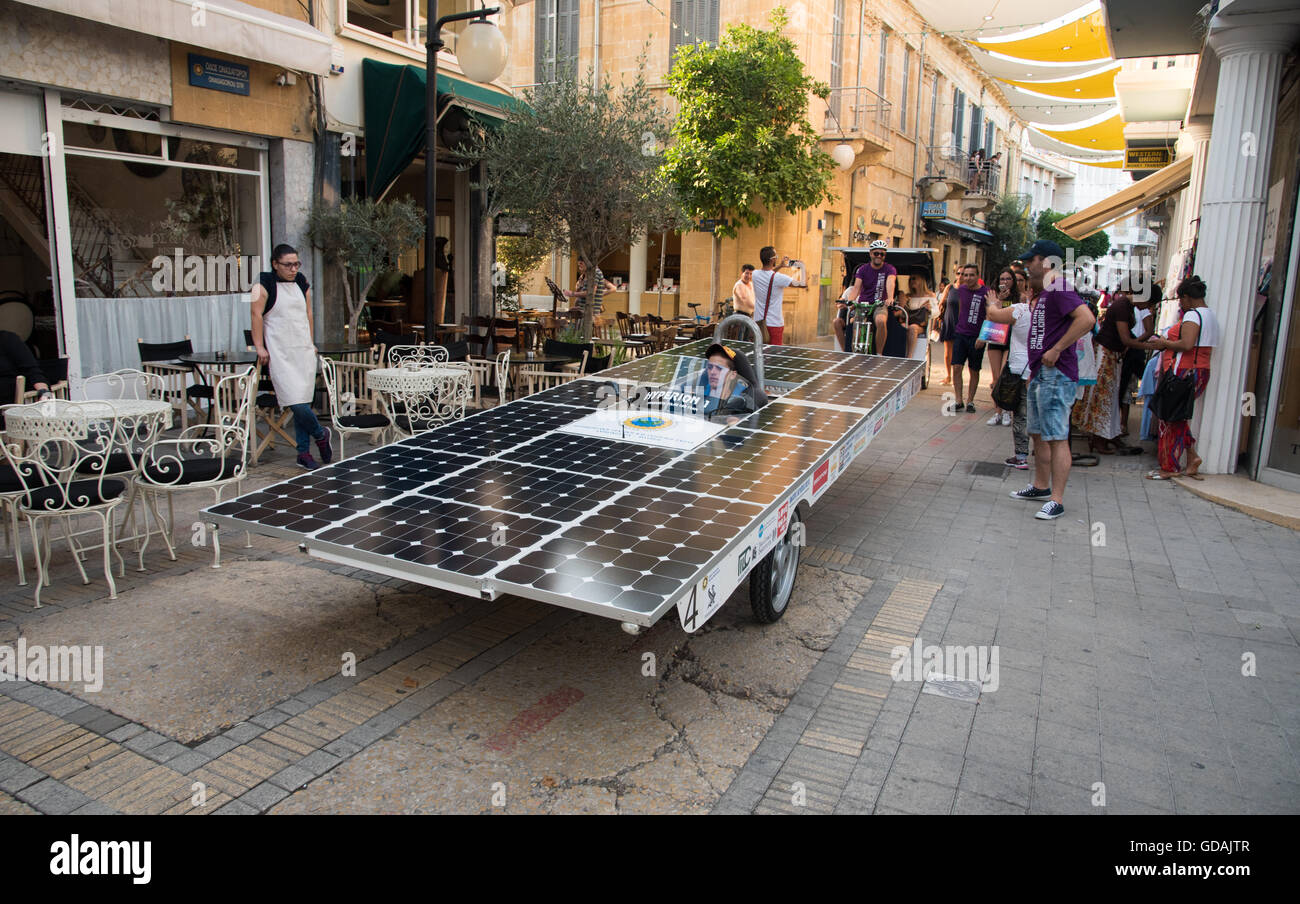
(1008, 388)
(1175, 395)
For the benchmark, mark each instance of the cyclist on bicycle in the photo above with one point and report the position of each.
(874, 284)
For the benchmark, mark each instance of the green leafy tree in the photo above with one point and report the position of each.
(1009, 222)
(742, 143)
(519, 255)
(579, 159)
(1093, 246)
(364, 238)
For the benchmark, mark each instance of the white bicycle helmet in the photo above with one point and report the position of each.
(878, 244)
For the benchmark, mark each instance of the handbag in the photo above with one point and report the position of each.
(1175, 395)
(1008, 389)
(762, 320)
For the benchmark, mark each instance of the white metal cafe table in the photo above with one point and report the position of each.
(99, 443)
(422, 398)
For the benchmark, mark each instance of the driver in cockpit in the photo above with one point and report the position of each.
(729, 385)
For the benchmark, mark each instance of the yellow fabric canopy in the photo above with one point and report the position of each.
(1107, 135)
(1075, 42)
(1138, 196)
(1098, 86)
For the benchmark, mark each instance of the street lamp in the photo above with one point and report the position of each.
(482, 53)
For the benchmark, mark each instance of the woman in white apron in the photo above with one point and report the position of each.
(283, 338)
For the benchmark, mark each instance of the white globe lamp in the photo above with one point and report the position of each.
(843, 156)
(939, 190)
(481, 50)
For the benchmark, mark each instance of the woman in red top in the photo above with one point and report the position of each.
(1188, 348)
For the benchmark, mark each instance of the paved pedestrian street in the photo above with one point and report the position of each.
(1139, 656)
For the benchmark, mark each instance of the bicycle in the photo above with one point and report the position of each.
(863, 322)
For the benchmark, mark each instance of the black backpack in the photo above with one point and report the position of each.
(269, 282)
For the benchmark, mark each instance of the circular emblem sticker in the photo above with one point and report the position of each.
(648, 422)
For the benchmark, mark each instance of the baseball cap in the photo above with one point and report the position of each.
(1044, 247)
(718, 348)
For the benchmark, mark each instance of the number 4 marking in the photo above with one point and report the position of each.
(692, 611)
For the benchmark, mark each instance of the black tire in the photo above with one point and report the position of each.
(769, 589)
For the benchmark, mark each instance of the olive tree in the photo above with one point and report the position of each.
(364, 238)
(579, 160)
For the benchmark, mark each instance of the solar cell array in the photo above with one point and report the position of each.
(501, 502)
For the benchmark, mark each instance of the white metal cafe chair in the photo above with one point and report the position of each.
(372, 424)
(207, 457)
(58, 453)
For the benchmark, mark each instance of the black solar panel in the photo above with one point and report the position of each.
(803, 420)
(501, 501)
(838, 389)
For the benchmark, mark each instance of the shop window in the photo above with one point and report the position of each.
(199, 204)
(399, 20)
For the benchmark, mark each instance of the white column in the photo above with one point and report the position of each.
(58, 222)
(1196, 138)
(636, 274)
(1232, 217)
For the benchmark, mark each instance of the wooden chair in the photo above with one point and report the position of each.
(161, 358)
(490, 378)
(538, 379)
(274, 419)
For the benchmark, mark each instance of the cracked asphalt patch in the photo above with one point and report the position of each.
(664, 732)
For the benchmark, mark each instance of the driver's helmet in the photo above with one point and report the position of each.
(878, 245)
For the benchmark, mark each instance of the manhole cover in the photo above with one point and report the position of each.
(952, 688)
(988, 469)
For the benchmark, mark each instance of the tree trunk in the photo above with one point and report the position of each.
(354, 310)
(717, 271)
(663, 253)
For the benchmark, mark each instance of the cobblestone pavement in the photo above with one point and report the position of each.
(1119, 662)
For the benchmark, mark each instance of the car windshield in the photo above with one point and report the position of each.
(705, 389)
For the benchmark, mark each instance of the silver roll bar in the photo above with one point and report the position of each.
(758, 341)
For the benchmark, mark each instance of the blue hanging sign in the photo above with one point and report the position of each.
(218, 75)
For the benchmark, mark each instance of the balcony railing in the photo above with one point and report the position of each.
(858, 113)
(948, 163)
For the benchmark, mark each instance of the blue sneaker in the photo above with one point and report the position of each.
(1031, 492)
(326, 453)
(1050, 511)
(306, 462)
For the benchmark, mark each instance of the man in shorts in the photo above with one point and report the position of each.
(971, 301)
(1058, 319)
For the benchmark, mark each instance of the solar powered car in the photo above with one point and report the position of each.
(612, 494)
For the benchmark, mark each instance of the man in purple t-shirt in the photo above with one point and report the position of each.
(1058, 318)
(873, 283)
(967, 349)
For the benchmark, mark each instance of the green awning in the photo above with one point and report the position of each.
(393, 110)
